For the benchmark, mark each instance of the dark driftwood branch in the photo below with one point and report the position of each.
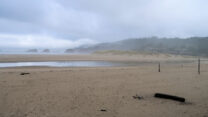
(24, 73)
(166, 96)
(104, 110)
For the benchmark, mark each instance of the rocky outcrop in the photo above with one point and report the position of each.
(32, 50)
(46, 50)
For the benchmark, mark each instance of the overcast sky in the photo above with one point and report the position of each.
(70, 23)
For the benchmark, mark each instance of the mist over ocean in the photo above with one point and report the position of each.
(26, 51)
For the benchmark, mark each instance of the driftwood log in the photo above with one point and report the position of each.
(104, 110)
(24, 73)
(166, 96)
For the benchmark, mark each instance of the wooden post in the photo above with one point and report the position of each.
(199, 66)
(159, 67)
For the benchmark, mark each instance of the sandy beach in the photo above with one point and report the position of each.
(102, 91)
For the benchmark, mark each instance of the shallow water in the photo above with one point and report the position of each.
(86, 63)
(61, 64)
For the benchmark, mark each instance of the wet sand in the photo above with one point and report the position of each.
(84, 92)
(93, 57)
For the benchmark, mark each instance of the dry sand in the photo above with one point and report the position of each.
(83, 92)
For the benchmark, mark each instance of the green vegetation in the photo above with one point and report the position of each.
(194, 46)
(120, 52)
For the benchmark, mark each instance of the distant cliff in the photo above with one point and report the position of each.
(196, 46)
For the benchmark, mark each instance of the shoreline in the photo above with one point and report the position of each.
(91, 57)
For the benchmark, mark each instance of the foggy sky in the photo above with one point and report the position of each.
(71, 23)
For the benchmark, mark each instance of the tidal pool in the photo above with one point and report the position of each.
(85, 63)
(61, 64)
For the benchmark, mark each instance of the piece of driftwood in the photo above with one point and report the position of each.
(138, 97)
(104, 110)
(24, 73)
(166, 96)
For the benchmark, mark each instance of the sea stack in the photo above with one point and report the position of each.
(32, 50)
(46, 50)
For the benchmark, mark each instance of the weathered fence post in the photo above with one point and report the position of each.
(159, 67)
(199, 66)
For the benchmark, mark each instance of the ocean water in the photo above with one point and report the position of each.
(25, 51)
(21, 52)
